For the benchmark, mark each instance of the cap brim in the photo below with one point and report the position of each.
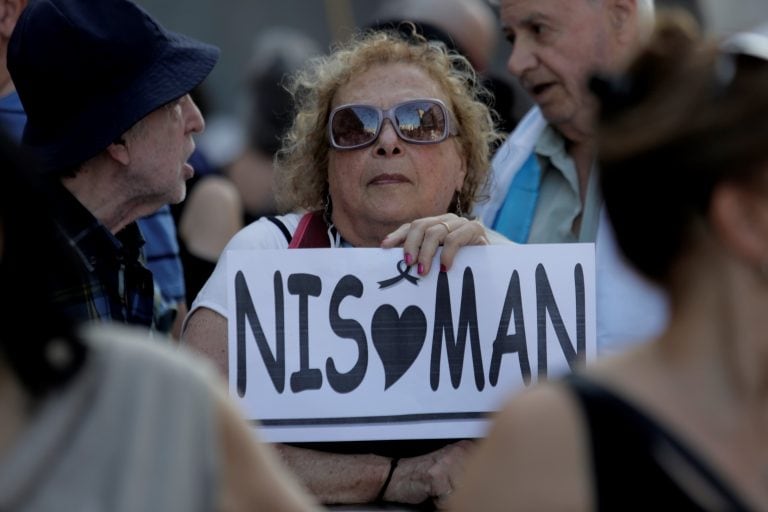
(180, 67)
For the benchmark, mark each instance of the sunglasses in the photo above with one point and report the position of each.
(424, 121)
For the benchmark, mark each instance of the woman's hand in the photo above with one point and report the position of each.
(421, 238)
(434, 475)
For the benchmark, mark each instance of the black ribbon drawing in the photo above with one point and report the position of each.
(403, 271)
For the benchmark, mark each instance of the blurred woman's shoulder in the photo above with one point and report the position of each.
(139, 415)
(533, 458)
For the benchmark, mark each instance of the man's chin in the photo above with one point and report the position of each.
(552, 113)
(556, 115)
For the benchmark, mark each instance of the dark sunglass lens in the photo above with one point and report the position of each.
(353, 126)
(421, 121)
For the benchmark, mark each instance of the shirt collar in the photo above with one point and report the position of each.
(87, 236)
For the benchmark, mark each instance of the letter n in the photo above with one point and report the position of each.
(546, 306)
(244, 309)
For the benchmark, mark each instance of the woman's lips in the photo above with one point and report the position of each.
(388, 179)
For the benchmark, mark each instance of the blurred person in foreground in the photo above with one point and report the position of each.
(543, 186)
(98, 417)
(389, 147)
(114, 140)
(685, 414)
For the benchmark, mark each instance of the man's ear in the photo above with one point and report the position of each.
(10, 10)
(739, 217)
(623, 18)
(118, 151)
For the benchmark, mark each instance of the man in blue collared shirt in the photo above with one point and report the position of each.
(544, 186)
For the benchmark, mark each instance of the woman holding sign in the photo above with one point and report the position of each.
(389, 147)
(686, 414)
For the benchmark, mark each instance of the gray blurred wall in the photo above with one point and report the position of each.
(232, 24)
(726, 16)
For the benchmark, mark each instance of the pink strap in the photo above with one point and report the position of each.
(312, 232)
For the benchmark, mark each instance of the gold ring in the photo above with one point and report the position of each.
(446, 225)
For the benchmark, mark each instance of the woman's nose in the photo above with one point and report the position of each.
(388, 142)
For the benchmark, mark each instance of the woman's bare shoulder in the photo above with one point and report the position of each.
(534, 457)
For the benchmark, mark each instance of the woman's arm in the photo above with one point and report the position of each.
(252, 477)
(205, 331)
(342, 478)
(534, 458)
(335, 477)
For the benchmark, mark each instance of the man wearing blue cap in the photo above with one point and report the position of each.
(105, 89)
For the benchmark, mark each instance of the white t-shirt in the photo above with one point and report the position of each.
(261, 234)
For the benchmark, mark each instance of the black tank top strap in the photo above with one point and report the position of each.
(277, 222)
(637, 464)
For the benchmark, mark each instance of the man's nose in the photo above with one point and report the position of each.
(193, 117)
(522, 58)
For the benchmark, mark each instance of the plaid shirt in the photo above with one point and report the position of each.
(112, 282)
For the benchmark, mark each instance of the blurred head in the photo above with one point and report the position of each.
(469, 26)
(49, 353)
(87, 72)
(558, 44)
(692, 7)
(683, 155)
(390, 180)
(277, 53)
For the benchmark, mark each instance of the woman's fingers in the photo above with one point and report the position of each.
(396, 238)
(469, 232)
(421, 239)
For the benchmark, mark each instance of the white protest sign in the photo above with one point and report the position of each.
(350, 344)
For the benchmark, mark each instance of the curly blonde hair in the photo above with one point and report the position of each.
(301, 174)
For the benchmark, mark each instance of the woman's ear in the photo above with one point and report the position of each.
(738, 215)
(461, 175)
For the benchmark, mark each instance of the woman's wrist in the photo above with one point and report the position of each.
(392, 466)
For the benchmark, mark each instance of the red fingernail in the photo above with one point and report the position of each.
(408, 259)
(442, 268)
(421, 268)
